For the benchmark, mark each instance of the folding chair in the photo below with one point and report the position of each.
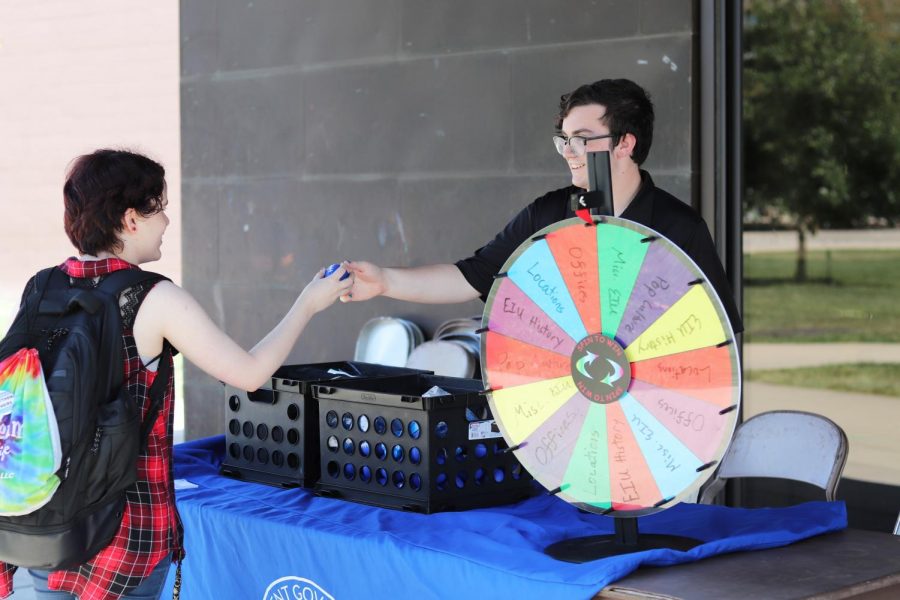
(784, 444)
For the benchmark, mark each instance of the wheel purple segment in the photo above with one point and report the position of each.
(516, 316)
(662, 280)
(548, 449)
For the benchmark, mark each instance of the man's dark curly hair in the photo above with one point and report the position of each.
(628, 110)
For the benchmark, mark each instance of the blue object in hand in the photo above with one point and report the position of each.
(332, 268)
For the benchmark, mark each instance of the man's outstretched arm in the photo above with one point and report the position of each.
(430, 284)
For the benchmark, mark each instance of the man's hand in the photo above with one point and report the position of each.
(369, 281)
(429, 284)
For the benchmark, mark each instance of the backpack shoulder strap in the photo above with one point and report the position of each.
(118, 281)
(157, 392)
(115, 283)
(42, 280)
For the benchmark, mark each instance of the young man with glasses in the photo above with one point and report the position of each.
(614, 115)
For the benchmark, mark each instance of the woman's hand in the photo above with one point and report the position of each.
(321, 292)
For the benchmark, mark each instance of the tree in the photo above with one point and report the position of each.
(822, 128)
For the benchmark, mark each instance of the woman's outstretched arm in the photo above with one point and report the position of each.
(170, 312)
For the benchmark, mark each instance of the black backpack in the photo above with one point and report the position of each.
(78, 334)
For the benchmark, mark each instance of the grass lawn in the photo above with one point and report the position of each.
(853, 297)
(867, 378)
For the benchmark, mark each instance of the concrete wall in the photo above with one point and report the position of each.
(399, 131)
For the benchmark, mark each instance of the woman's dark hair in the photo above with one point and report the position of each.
(628, 110)
(100, 187)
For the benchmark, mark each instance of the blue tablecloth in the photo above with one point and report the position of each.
(250, 541)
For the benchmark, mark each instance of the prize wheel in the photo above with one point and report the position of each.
(611, 367)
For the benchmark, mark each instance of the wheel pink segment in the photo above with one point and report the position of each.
(611, 365)
(520, 318)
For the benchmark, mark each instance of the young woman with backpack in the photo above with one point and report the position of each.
(115, 216)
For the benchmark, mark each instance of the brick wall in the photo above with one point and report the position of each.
(75, 76)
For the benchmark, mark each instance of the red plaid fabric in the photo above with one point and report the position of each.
(151, 528)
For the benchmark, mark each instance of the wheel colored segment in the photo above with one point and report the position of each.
(690, 324)
(661, 282)
(587, 478)
(511, 362)
(523, 408)
(536, 274)
(673, 466)
(697, 424)
(620, 254)
(575, 252)
(632, 486)
(548, 449)
(709, 374)
(515, 315)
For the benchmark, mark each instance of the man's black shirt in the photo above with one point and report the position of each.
(651, 206)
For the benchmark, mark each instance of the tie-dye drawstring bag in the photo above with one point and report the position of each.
(30, 453)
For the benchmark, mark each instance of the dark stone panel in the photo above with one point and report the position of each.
(204, 405)
(666, 16)
(305, 165)
(562, 22)
(462, 25)
(442, 114)
(200, 226)
(287, 32)
(662, 65)
(200, 125)
(242, 127)
(199, 36)
(471, 25)
(279, 232)
(448, 219)
(248, 313)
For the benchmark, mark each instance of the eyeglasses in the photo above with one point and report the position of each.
(578, 143)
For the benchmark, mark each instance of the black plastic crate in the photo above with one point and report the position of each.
(384, 443)
(272, 434)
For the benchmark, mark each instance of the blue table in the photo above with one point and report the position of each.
(249, 541)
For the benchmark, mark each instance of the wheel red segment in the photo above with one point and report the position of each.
(516, 363)
(632, 484)
(708, 374)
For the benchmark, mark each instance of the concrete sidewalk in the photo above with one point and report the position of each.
(791, 356)
(833, 239)
(869, 420)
